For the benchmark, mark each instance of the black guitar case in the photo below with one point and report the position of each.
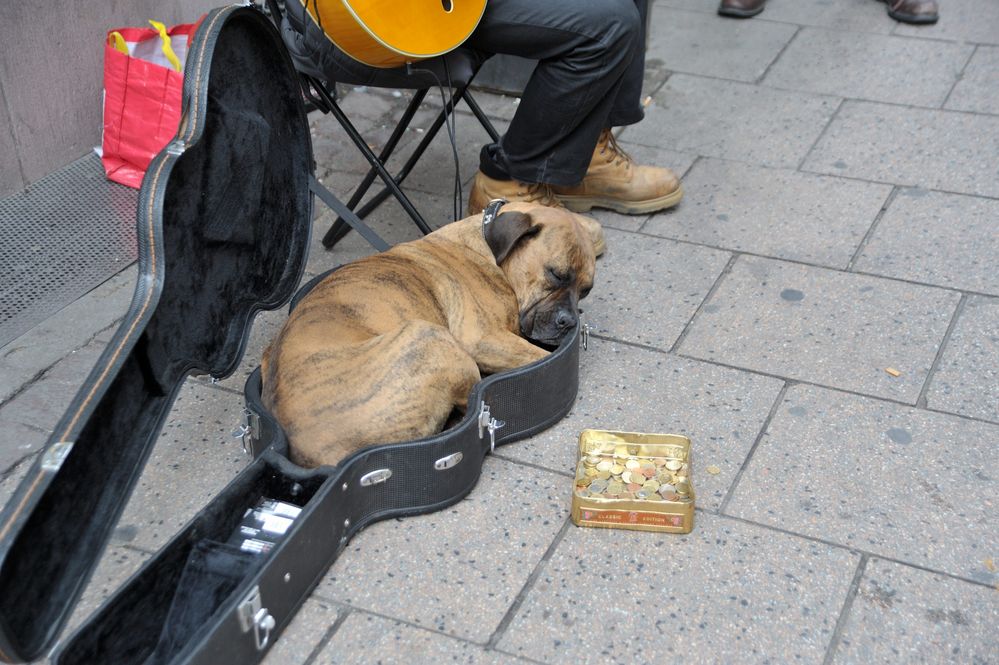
(223, 227)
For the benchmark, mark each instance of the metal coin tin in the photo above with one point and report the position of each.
(632, 480)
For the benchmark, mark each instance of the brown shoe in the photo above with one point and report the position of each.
(920, 12)
(614, 181)
(741, 8)
(485, 189)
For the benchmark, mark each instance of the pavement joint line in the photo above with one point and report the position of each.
(941, 348)
(327, 636)
(958, 78)
(862, 245)
(869, 181)
(752, 449)
(360, 610)
(844, 614)
(9, 472)
(777, 57)
(42, 372)
(848, 548)
(532, 465)
(725, 271)
(518, 601)
(800, 262)
(795, 380)
(818, 139)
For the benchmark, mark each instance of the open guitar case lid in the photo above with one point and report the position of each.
(223, 224)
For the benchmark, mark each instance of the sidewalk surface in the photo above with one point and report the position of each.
(841, 219)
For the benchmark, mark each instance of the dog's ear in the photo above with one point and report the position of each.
(508, 229)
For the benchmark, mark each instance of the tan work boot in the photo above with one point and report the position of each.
(614, 181)
(485, 189)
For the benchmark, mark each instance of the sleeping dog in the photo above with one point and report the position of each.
(385, 348)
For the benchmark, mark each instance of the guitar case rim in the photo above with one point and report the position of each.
(336, 502)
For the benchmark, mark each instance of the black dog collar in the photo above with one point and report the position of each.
(491, 212)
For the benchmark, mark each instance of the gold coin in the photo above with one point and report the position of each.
(590, 473)
(651, 485)
(583, 482)
(615, 488)
(654, 496)
(603, 475)
(683, 488)
(673, 464)
(713, 470)
(633, 464)
(591, 460)
(605, 465)
(617, 469)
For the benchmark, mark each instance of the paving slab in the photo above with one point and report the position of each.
(960, 20)
(22, 359)
(867, 66)
(967, 377)
(823, 326)
(978, 89)
(456, 571)
(304, 634)
(20, 441)
(636, 390)
(698, 43)
(947, 150)
(942, 239)
(898, 482)
(904, 614)
(364, 638)
(855, 15)
(623, 303)
(12, 477)
(42, 402)
(733, 120)
(194, 457)
(727, 592)
(774, 212)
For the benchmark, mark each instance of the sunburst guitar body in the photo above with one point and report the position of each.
(390, 33)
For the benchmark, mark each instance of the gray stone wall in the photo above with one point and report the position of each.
(51, 76)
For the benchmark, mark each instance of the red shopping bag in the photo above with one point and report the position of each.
(143, 78)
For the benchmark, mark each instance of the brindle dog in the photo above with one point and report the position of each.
(385, 348)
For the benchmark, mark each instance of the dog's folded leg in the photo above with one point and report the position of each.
(503, 351)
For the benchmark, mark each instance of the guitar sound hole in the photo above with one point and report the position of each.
(447, 5)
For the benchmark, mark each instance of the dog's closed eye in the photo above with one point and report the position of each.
(557, 277)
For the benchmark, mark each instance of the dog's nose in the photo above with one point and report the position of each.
(565, 319)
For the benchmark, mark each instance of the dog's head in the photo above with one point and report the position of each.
(548, 257)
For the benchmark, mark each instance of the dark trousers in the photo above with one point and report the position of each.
(589, 76)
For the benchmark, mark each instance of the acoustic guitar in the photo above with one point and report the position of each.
(390, 33)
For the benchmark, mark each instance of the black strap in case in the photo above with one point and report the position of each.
(223, 224)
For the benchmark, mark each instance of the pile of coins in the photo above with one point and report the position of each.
(616, 472)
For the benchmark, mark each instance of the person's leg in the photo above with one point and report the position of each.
(584, 48)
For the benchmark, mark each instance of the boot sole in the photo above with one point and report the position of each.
(739, 13)
(587, 203)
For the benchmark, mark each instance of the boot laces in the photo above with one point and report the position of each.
(615, 154)
(539, 192)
